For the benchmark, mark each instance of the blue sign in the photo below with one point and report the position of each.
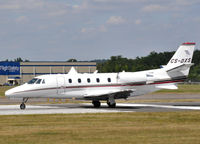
(9, 68)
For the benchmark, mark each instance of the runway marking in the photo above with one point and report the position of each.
(31, 109)
(82, 108)
(162, 106)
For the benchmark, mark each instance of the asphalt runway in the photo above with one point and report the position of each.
(88, 108)
(34, 106)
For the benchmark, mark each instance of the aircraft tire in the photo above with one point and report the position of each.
(111, 105)
(96, 104)
(22, 106)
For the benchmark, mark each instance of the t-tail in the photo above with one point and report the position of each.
(179, 65)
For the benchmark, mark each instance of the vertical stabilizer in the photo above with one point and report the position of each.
(179, 64)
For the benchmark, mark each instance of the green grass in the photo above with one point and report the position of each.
(112, 128)
(3, 89)
(182, 88)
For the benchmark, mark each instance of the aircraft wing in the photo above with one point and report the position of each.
(105, 93)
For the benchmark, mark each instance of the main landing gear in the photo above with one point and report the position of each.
(96, 104)
(111, 102)
(113, 105)
(23, 106)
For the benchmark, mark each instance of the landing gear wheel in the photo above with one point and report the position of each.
(96, 104)
(111, 105)
(22, 106)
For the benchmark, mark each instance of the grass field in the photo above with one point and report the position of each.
(3, 89)
(112, 128)
(182, 88)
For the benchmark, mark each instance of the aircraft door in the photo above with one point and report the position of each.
(60, 85)
(150, 77)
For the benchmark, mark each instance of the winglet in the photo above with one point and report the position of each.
(72, 71)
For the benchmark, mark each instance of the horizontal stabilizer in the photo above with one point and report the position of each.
(167, 86)
(182, 67)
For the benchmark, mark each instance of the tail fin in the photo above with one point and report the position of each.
(180, 63)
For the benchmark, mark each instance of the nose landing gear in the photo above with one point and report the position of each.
(23, 106)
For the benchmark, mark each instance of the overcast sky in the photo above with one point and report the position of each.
(57, 30)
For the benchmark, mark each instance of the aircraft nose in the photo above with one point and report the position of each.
(9, 93)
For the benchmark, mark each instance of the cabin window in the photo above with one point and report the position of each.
(79, 80)
(32, 81)
(109, 79)
(38, 81)
(88, 80)
(70, 80)
(43, 82)
(98, 80)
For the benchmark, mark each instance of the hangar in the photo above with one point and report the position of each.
(20, 72)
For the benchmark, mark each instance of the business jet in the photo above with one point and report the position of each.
(107, 87)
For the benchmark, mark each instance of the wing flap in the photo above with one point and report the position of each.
(96, 93)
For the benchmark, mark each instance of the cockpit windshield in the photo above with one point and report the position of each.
(32, 81)
(37, 81)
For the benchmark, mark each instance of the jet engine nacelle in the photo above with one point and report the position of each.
(136, 77)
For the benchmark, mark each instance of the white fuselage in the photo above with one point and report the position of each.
(86, 86)
(107, 86)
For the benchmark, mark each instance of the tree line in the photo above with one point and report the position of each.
(19, 59)
(152, 61)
